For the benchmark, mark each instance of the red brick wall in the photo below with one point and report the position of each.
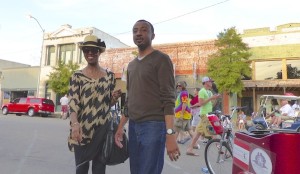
(182, 54)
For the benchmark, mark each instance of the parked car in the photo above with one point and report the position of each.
(30, 106)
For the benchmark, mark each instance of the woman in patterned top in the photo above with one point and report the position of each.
(90, 97)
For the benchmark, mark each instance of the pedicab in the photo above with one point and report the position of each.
(261, 120)
(264, 150)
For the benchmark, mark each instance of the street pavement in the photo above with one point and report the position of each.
(38, 145)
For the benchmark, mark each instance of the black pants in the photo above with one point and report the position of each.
(97, 166)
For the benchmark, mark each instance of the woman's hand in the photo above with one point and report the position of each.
(116, 94)
(76, 132)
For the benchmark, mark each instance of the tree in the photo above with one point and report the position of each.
(229, 65)
(60, 77)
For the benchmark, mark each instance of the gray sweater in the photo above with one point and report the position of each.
(150, 87)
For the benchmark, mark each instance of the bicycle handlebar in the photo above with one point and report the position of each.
(215, 112)
(238, 107)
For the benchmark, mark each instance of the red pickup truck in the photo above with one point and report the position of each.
(30, 106)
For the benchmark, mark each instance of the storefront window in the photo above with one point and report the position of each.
(267, 70)
(293, 69)
(30, 93)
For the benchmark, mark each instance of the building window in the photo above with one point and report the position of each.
(66, 53)
(30, 93)
(293, 69)
(268, 70)
(51, 56)
(47, 90)
(6, 95)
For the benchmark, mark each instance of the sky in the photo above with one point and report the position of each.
(173, 20)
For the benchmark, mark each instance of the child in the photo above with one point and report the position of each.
(241, 120)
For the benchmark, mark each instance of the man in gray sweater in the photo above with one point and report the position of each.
(150, 105)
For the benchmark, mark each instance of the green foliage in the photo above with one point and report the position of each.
(229, 65)
(60, 77)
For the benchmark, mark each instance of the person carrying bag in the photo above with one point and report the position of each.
(91, 95)
(113, 154)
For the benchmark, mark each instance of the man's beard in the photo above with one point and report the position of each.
(142, 47)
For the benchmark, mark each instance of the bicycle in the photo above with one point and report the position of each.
(218, 151)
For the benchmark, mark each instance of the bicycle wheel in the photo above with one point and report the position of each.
(218, 158)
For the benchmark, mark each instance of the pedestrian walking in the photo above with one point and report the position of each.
(206, 99)
(195, 108)
(64, 101)
(183, 113)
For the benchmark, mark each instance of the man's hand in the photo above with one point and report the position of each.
(119, 137)
(172, 147)
(216, 96)
(120, 132)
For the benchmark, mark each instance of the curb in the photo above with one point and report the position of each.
(56, 115)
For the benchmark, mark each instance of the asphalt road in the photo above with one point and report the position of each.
(37, 145)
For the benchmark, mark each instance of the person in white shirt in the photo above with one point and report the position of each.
(64, 101)
(286, 112)
(296, 108)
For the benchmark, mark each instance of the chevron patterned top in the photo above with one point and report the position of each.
(90, 99)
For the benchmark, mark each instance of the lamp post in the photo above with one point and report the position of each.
(43, 31)
(31, 17)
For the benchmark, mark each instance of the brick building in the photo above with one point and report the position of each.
(273, 51)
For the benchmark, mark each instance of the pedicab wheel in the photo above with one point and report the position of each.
(218, 158)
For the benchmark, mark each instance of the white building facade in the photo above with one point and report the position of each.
(62, 45)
